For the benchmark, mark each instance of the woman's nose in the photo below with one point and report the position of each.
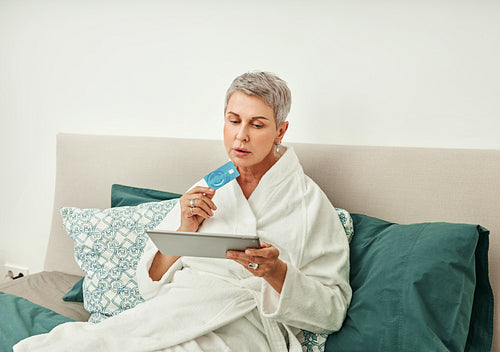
(242, 134)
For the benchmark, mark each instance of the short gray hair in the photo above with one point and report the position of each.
(266, 86)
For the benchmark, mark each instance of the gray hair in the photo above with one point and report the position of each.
(266, 86)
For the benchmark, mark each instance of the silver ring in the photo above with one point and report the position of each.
(191, 203)
(253, 266)
(191, 211)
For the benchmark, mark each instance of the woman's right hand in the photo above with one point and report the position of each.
(192, 215)
(196, 206)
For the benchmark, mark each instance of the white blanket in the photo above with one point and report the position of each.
(204, 304)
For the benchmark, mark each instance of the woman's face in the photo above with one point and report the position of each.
(250, 132)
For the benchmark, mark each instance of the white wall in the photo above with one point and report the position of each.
(400, 73)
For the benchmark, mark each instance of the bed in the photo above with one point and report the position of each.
(421, 257)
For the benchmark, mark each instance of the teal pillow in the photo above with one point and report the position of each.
(20, 318)
(76, 292)
(418, 287)
(122, 195)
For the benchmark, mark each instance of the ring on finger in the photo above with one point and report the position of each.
(191, 204)
(192, 214)
(253, 266)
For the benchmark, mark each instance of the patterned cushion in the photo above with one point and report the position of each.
(108, 245)
(310, 341)
(346, 220)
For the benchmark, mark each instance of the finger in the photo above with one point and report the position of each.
(200, 203)
(245, 264)
(199, 199)
(267, 252)
(243, 258)
(210, 203)
(207, 191)
(189, 213)
(189, 208)
(262, 269)
(263, 245)
(207, 200)
(197, 211)
(237, 255)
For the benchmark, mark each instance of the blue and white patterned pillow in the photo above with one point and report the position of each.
(108, 246)
(312, 342)
(346, 220)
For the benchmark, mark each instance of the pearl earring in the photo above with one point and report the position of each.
(277, 146)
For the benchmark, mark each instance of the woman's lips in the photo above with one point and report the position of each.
(241, 151)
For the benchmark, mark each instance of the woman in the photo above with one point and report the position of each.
(261, 298)
(299, 264)
(250, 134)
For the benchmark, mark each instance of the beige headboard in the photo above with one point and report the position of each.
(396, 184)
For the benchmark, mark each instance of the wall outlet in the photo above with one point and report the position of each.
(13, 271)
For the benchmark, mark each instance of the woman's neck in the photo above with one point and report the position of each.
(250, 177)
(248, 181)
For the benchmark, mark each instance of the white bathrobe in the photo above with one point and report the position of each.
(204, 304)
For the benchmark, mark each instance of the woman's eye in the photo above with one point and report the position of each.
(256, 125)
(234, 122)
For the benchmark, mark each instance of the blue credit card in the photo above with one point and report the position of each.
(224, 174)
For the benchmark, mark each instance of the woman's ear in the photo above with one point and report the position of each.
(281, 131)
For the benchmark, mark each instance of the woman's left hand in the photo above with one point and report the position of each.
(263, 262)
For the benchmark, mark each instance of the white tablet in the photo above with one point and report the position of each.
(199, 244)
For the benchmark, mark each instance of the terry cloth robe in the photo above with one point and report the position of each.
(207, 304)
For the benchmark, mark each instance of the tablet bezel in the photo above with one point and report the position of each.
(201, 244)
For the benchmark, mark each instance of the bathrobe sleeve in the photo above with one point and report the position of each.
(316, 292)
(147, 287)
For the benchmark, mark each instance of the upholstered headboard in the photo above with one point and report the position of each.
(403, 185)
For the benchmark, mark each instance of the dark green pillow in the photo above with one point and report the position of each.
(20, 318)
(130, 196)
(76, 293)
(418, 287)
